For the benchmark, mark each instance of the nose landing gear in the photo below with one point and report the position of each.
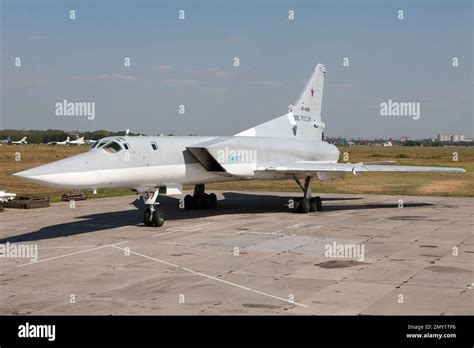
(153, 215)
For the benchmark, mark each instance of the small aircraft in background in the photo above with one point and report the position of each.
(90, 141)
(60, 143)
(78, 141)
(19, 142)
(82, 141)
(6, 196)
(5, 141)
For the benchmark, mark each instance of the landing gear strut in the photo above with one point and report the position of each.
(200, 199)
(307, 203)
(153, 215)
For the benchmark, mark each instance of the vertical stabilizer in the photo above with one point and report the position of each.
(304, 119)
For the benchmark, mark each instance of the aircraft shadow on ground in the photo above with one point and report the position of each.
(234, 203)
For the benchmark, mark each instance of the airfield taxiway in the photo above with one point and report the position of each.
(249, 256)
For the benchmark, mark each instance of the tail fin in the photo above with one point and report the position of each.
(23, 140)
(309, 102)
(303, 121)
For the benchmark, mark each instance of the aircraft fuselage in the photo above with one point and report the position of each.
(144, 162)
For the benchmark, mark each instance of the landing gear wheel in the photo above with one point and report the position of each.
(319, 203)
(312, 205)
(146, 217)
(296, 204)
(213, 199)
(198, 202)
(158, 217)
(303, 206)
(188, 202)
(206, 201)
(200, 199)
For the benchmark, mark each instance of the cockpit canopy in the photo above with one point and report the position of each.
(99, 143)
(112, 145)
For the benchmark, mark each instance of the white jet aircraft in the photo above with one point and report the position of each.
(288, 147)
(78, 141)
(59, 143)
(5, 141)
(90, 141)
(6, 196)
(82, 141)
(19, 142)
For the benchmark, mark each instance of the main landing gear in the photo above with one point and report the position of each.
(307, 203)
(200, 199)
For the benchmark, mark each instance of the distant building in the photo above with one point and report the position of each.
(455, 138)
(444, 137)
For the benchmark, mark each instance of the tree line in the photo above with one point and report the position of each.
(49, 135)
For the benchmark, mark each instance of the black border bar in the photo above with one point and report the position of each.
(239, 330)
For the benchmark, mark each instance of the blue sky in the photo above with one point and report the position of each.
(190, 62)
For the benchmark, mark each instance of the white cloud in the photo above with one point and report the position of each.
(216, 90)
(25, 83)
(163, 67)
(215, 72)
(266, 83)
(219, 73)
(180, 82)
(103, 77)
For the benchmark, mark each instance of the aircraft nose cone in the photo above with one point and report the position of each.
(45, 174)
(27, 173)
(50, 168)
(72, 172)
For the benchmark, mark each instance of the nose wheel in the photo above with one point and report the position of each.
(154, 217)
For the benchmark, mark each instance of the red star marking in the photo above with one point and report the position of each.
(312, 92)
